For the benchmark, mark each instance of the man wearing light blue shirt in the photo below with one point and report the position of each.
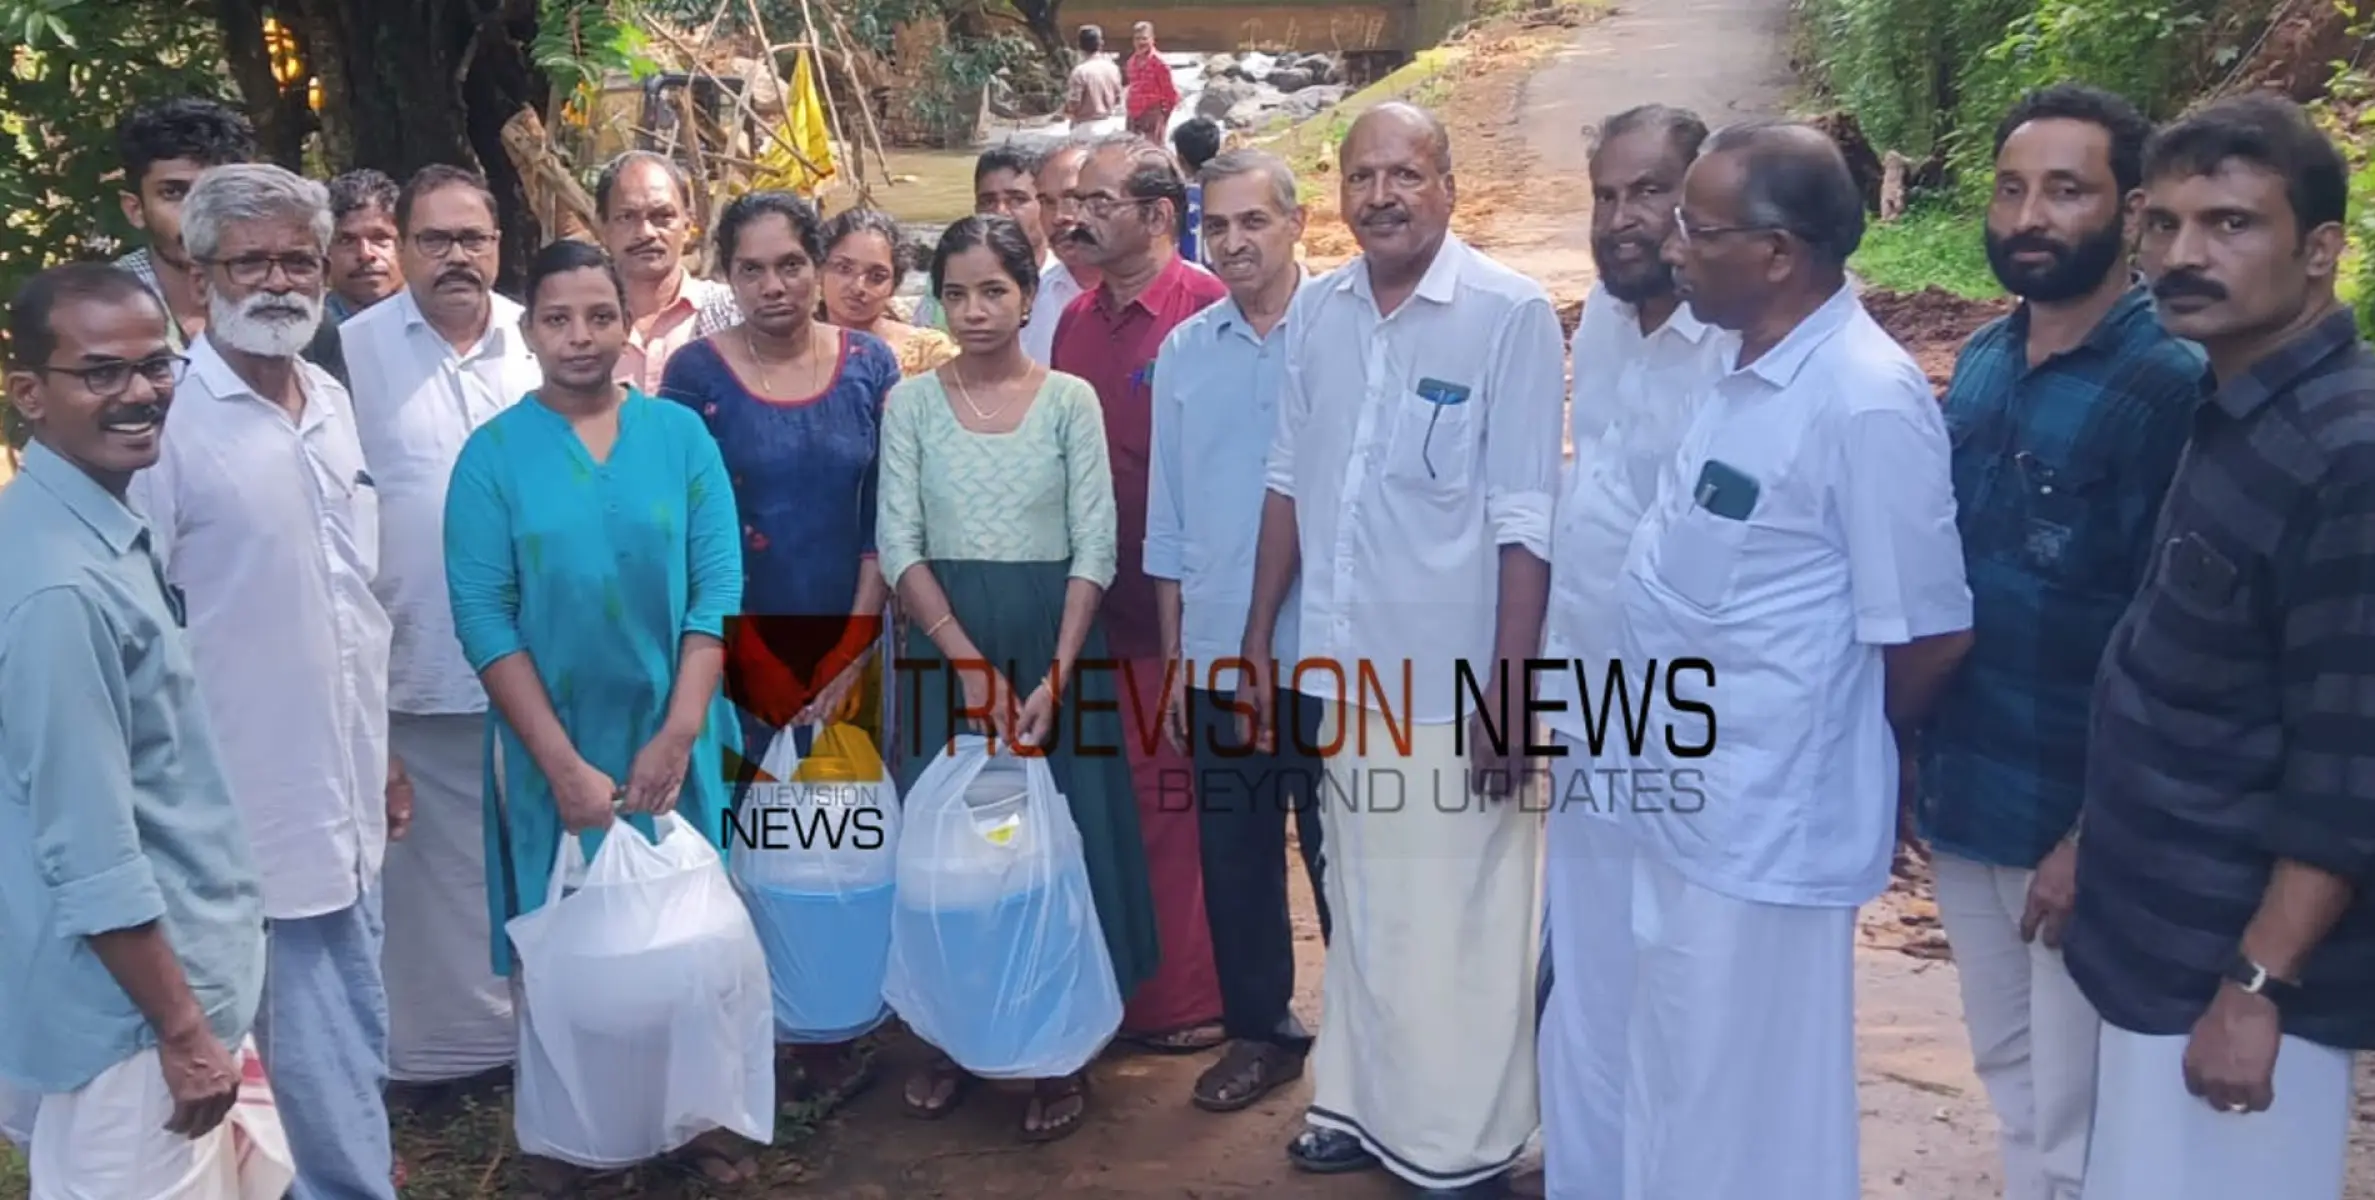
(1215, 386)
(131, 916)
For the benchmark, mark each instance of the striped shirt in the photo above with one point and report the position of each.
(2232, 723)
(2059, 471)
(143, 265)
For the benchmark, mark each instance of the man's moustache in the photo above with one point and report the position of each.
(2029, 243)
(2189, 283)
(459, 275)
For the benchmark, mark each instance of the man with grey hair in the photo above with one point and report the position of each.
(267, 521)
(1801, 549)
(1409, 488)
(1215, 385)
(645, 206)
(1643, 366)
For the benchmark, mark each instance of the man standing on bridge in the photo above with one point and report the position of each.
(1411, 483)
(1802, 543)
(1643, 366)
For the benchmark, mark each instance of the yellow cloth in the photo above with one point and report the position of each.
(804, 126)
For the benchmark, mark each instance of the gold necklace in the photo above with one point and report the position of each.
(766, 377)
(958, 377)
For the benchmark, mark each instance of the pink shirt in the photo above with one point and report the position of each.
(701, 307)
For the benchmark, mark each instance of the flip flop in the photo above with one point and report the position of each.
(940, 1071)
(1048, 1093)
(1195, 1039)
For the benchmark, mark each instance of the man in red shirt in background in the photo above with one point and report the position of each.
(1130, 197)
(1151, 93)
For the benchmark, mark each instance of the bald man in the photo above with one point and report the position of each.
(1802, 549)
(1418, 424)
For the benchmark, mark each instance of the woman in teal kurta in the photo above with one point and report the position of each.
(591, 539)
(592, 557)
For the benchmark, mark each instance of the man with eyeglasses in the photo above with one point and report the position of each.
(430, 365)
(1131, 200)
(267, 521)
(1799, 569)
(131, 915)
(645, 205)
(363, 269)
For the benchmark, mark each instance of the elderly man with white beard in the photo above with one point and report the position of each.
(267, 522)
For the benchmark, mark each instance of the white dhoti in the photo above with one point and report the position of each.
(1587, 900)
(1426, 1042)
(2153, 1140)
(1693, 1044)
(108, 1141)
(449, 1016)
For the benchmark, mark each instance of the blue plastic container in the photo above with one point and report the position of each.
(987, 955)
(826, 952)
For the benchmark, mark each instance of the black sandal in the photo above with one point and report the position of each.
(1048, 1093)
(941, 1072)
(1246, 1073)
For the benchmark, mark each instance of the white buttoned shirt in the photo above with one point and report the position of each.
(1415, 445)
(416, 402)
(1850, 547)
(270, 528)
(1633, 397)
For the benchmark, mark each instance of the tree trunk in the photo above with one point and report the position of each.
(281, 116)
(1039, 16)
(408, 83)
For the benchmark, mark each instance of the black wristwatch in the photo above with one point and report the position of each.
(2255, 980)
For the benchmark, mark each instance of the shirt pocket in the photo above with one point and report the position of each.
(1432, 447)
(2068, 520)
(1698, 554)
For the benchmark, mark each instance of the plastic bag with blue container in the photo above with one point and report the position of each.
(815, 860)
(997, 957)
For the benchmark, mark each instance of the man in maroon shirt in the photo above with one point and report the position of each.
(1130, 200)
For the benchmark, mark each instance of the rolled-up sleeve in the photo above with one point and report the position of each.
(62, 682)
(1527, 389)
(1166, 477)
(481, 576)
(1088, 487)
(1896, 499)
(899, 499)
(713, 542)
(2325, 813)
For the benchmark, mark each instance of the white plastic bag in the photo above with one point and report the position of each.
(819, 881)
(996, 954)
(647, 1020)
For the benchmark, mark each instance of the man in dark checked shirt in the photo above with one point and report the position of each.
(2067, 417)
(2230, 806)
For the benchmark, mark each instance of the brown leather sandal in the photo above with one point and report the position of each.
(945, 1084)
(1050, 1094)
(1246, 1072)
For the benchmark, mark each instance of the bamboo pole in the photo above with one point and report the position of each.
(857, 85)
(741, 100)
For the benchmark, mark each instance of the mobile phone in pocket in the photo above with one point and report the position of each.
(1725, 490)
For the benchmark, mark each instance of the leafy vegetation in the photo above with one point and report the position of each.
(1934, 242)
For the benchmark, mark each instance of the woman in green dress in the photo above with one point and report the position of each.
(996, 526)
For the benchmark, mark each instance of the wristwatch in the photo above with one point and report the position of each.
(2255, 980)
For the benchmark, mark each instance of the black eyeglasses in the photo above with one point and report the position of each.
(437, 243)
(251, 270)
(108, 380)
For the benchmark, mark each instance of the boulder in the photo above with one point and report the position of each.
(1221, 95)
(1256, 66)
(1219, 65)
(1313, 100)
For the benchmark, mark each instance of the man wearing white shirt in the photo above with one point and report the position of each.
(1802, 548)
(1215, 386)
(1642, 366)
(1012, 181)
(1411, 482)
(267, 520)
(429, 365)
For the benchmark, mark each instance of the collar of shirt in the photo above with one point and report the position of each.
(1437, 286)
(1156, 294)
(502, 326)
(2105, 338)
(1232, 321)
(2285, 365)
(111, 519)
(217, 381)
(1779, 366)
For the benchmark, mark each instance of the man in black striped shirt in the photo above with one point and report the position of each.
(2230, 808)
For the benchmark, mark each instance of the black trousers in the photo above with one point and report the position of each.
(1245, 799)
